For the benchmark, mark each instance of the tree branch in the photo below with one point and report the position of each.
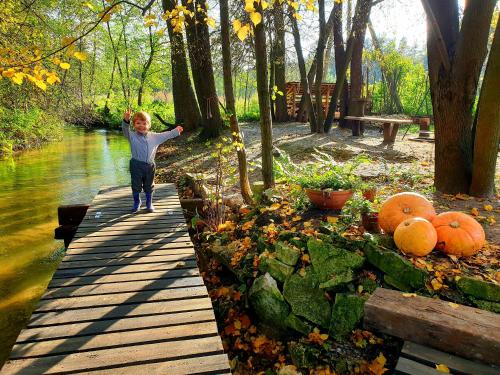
(436, 32)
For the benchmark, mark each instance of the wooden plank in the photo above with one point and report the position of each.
(121, 298)
(379, 119)
(104, 326)
(174, 232)
(141, 242)
(116, 312)
(126, 261)
(160, 255)
(429, 356)
(113, 270)
(119, 278)
(79, 344)
(140, 250)
(96, 225)
(465, 331)
(406, 366)
(125, 286)
(121, 230)
(114, 357)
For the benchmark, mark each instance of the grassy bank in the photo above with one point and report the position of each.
(21, 130)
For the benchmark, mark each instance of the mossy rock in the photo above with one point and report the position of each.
(295, 323)
(303, 356)
(487, 305)
(268, 303)
(346, 314)
(479, 289)
(306, 299)
(398, 268)
(369, 285)
(337, 281)
(396, 284)
(278, 270)
(286, 253)
(329, 261)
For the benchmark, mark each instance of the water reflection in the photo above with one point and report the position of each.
(32, 185)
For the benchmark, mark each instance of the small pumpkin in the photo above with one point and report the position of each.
(415, 236)
(404, 206)
(458, 234)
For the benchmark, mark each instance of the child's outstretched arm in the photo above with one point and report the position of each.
(165, 136)
(126, 123)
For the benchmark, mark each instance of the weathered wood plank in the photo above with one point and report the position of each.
(115, 299)
(115, 312)
(465, 331)
(119, 278)
(137, 248)
(159, 234)
(114, 357)
(456, 364)
(120, 231)
(124, 286)
(379, 119)
(406, 366)
(129, 254)
(103, 326)
(78, 261)
(79, 344)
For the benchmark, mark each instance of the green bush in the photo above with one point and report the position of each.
(26, 129)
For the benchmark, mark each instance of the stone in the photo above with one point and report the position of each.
(488, 305)
(258, 187)
(303, 356)
(346, 314)
(278, 270)
(294, 322)
(396, 266)
(286, 253)
(337, 281)
(306, 299)
(268, 303)
(479, 289)
(397, 284)
(369, 285)
(329, 261)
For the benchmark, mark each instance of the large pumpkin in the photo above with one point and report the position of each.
(404, 206)
(458, 233)
(415, 236)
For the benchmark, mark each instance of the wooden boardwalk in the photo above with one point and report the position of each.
(127, 298)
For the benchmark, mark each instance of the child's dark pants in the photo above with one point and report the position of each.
(143, 175)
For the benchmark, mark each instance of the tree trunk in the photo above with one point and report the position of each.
(185, 105)
(145, 68)
(202, 69)
(338, 43)
(279, 62)
(361, 16)
(266, 130)
(487, 134)
(320, 54)
(246, 191)
(357, 61)
(455, 59)
(328, 55)
(108, 95)
(303, 74)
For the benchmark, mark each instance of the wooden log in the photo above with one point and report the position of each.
(462, 330)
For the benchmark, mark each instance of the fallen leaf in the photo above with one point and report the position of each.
(442, 368)
(409, 295)
(474, 211)
(332, 219)
(436, 284)
(462, 197)
(488, 207)
(377, 366)
(453, 305)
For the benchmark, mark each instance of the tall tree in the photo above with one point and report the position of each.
(146, 66)
(456, 52)
(320, 54)
(185, 104)
(266, 130)
(340, 52)
(487, 134)
(200, 57)
(279, 62)
(246, 191)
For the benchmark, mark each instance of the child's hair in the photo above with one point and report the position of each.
(142, 116)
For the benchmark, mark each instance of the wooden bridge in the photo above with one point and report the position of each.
(127, 298)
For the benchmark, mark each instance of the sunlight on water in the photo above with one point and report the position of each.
(32, 185)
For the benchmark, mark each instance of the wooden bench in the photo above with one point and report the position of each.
(461, 330)
(390, 125)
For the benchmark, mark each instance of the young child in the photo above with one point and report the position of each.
(143, 145)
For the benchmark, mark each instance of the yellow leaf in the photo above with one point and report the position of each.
(474, 211)
(249, 7)
(332, 219)
(274, 206)
(52, 78)
(256, 18)
(210, 21)
(18, 78)
(8, 73)
(243, 32)
(296, 218)
(408, 295)
(488, 207)
(88, 5)
(82, 56)
(40, 84)
(453, 305)
(462, 197)
(294, 5)
(297, 16)
(64, 66)
(442, 368)
(436, 284)
(264, 4)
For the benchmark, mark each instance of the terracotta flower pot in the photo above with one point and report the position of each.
(369, 194)
(331, 200)
(370, 222)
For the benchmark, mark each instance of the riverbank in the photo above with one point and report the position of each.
(23, 130)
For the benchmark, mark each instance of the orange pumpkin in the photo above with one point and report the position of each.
(458, 234)
(415, 236)
(404, 206)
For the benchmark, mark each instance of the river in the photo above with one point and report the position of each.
(32, 185)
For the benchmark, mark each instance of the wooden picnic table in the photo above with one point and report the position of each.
(390, 125)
